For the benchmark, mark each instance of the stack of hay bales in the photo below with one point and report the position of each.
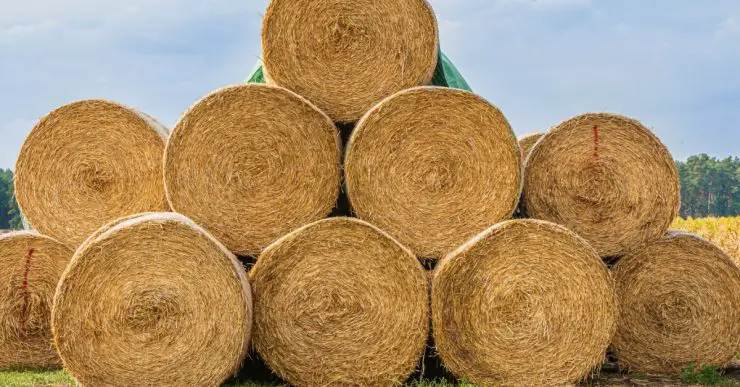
(433, 173)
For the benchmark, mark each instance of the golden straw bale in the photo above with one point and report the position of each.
(152, 300)
(251, 163)
(527, 302)
(605, 177)
(347, 55)
(30, 267)
(527, 142)
(680, 304)
(339, 302)
(433, 167)
(86, 164)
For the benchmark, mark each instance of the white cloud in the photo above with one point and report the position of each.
(728, 29)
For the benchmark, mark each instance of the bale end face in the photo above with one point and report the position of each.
(679, 304)
(346, 56)
(525, 303)
(31, 267)
(278, 165)
(339, 302)
(433, 167)
(605, 177)
(111, 167)
(155, 300)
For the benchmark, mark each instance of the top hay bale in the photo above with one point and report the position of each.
(679, 301)
(526, 303)
(433, 167)
(339, 302)
(347, 55)
(251, 163)
(30, 267)
(86, 164)
(152, 300)
(606, 177)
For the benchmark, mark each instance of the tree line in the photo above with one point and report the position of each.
(10, 215)
(709, 187)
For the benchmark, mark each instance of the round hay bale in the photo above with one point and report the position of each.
(339, 302)
(251, 163)
(86, 164)
(527, 142)
(527, 302)
(154, 300)
(605, 177)
(30, 267)
(679, 304)
(347, 55)
(433, 167)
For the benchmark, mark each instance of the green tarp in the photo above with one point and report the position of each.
(445, 75)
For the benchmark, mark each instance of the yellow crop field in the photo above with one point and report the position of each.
(725, 232)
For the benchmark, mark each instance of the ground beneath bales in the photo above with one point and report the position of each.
(609, 376)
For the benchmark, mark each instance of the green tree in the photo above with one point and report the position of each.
(709, 187)
(10, 214)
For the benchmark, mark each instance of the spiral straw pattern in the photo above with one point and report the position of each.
(527, 303)
(339, 302)
(605, 177)
(152, 300)
(347, 55)
(679, 304)
(433, 167)
(251, 163)
(86, 164)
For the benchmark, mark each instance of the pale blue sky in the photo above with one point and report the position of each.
(673, 64)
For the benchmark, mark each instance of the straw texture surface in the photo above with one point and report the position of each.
(30, 267)
(152, 300)
(251, 163)
(526, 302)
(605, 177)
(86, 164)
(347, 55)
(339, 302)
(680, 304)
(433, 167)
(527, 142)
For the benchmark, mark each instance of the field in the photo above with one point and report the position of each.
(725, 232)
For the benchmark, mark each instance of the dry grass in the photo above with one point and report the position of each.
(724, 232)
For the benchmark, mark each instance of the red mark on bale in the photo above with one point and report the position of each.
(596, 142)
(26, 295)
